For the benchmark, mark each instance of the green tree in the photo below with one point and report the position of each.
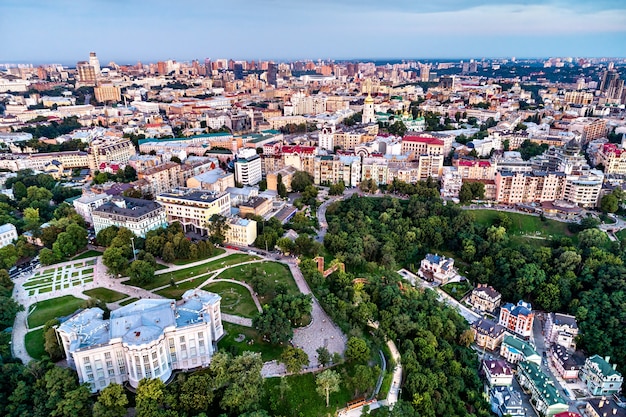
(327, 382)
(150, 399)
(19, 191)
(294, 359)
(337, 189)
(167, 254)
(274, 325)
(112, 402)
(141, 272)
(281, 189)
(609, 203)
(398, 128)
(357, 350)
(196, 394)
(245, 385)
(51, 342)
(286, 245)
(8, 310)
(301, 180)
(47, 257)
(75, 403)
(8, 256)
(218, 227)
(106, 236)
(31, 218)
(323, 356)
(113, 258)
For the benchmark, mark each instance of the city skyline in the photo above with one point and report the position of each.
(127, 31)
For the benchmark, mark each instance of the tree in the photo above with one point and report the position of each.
(245, 383)
(112, 402)
(106, 236)
(327, 382)
(285, 244)
(363, 379)
(141, 272)
(337, 189)
(113, 258)
(168, 253)
(196, 394)
(281, 189)
(19, 191)
(609, 203)
(218, 227)
(273, 325)
(31, 218)
(398, 128)
(8, 256)
(51, 343)
(150, 399)
(47, 257)
(323, 356)
(357, 350)
(294, 359)
(8, 310)
(300, 180)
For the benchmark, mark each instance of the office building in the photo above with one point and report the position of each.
(194, 209)
(139, 216)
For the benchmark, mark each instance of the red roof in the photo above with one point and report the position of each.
(470, 163)
(423, 139)
(567, 414)
(612, 148)
(298, 149)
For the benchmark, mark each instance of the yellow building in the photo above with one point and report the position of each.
(194, 210)
(107, 92)
(241, 232)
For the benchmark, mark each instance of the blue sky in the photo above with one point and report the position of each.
(129, 30)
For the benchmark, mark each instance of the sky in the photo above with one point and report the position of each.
(125, 31)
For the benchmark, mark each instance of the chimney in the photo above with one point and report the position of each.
(607, 359)
(614, 366)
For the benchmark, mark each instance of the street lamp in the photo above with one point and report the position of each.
(132, 242)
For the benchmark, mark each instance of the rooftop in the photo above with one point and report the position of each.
(521, 346)
(544, 385)
(129, 207)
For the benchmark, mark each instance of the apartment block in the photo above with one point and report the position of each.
(517, 318)
(194, 209)
(524, 187)
(162, 178)
(108, 150)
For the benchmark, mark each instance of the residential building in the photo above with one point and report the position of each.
(600, 376)
(107, 150)
(485, 298)
(162, 178)
(517, 318)
(604, 407)
(498, 373)
(139, 216)
(437, 268)
(451, 183)
(375, 169)
(241, 232)
(613, 158)
(256, 206)
(515, 350)
(194, 209)
(248, 167)
(505, 401)
(544, 394)
(87, 203)
(216, 180)
(69, 159)
(145, 339)
(8, 234)
(286, 175)
(567, 364)
(422, 145)
(107, 93)
(526, 187)
(561, 329)
(475, 169)
(488, 334)
(584, 190)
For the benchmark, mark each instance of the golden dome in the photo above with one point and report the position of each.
(369, 99)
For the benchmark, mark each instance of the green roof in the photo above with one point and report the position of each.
(206, 135)
(520, 345)
(605, 368)
(547, 391)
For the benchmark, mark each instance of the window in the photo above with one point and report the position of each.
(171, 340)
(107, 355)
(182, 339)
(111, 372)
(109, 364)
(89, 377)
(173, 355)
(86, 359)
(122, 370)
(192, 352)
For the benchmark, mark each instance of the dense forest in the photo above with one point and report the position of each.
(583, 275)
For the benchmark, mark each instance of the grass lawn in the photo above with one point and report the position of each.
(522, 224)
(87, 254)
(164, 279)
(34, 343)
(160, 267)
(45, 290)
(87, 271)
(621, 235)
(53, 308)
(457, 290)
(178, 291)
(386, 385)
(273, 273)
(37, 282)
(126, 302)
(216, 252)
(228, 343)
(303, 400)
(236, 299)
(105, 294)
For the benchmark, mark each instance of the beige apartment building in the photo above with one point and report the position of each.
(107, 92)
(520, 187)
(194, 209)
(419, 145)
(162, 178)
(107, 150)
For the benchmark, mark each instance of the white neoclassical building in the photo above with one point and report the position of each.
(146, 339)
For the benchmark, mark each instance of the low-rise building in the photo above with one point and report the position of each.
(498, 373)
(139, 216)
(87, 203)
(488, 334)
(216, 180)
(145, 339)
(544, 394)
(437, 268)
(561, 329)
(505, 401)
(485, 298)
(517, 318)
(241, 232)
(603, 407)
(257, 206)
(8, 234)
(567, 364)
(515, 350)
(286, 174)
(600, 376)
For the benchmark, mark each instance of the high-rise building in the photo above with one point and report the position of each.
(272, 73)
(424, 72)
(612, 86)
(248, 167)
(86, 73)
(238, 70)
(95, 63)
